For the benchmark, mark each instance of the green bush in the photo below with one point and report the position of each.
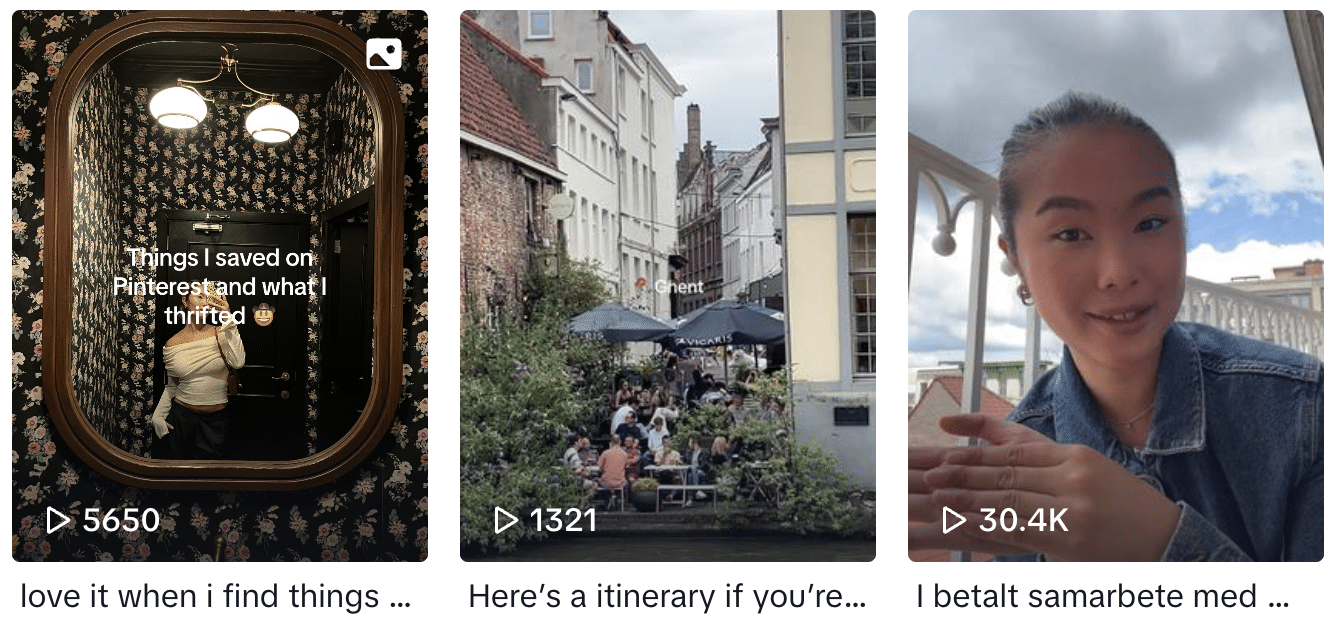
(524, 384)
(645, 483)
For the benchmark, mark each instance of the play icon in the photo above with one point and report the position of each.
(945, 519)
(496, 519)
(63, 520)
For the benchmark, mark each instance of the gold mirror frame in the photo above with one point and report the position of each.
(90, 57)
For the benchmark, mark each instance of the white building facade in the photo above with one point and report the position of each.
(745, 187)
(614, 139)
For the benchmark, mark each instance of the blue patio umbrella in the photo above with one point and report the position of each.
(726, 322)
(616, 323)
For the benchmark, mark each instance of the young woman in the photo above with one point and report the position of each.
(192, 413)
(622, 395)
(1161, 440)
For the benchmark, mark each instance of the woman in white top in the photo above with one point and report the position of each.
(192, 413)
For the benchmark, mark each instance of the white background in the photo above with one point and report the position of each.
(438, 589)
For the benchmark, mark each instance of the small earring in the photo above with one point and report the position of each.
(1024, 292)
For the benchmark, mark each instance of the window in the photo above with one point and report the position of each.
(644, 114)
(582, 235)
(540, 24)
(530, 205)
(860, 73)
(863, 282)
(621, 91)
(570, 134)
(605, 243)
(584, 75)
(635, 184)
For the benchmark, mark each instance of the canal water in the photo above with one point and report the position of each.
(714, 547)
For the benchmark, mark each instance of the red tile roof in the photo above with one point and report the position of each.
(992, 403)
(502, 45)
(485, 108)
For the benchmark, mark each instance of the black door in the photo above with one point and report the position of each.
(269, 416)
(345, 374)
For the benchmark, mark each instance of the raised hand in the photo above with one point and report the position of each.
(1111, 515)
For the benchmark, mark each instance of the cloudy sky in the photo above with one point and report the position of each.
(1221, 88)
(727, 61)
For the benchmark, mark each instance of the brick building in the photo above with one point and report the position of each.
(698, 221)
(506, 174)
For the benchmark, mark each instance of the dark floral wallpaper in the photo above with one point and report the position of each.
(351, 168)
(377, 511)
(213, 166)
(95, 255)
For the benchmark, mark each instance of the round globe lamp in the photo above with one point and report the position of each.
(272, 124)
(177, 107)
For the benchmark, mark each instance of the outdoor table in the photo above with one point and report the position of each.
(680, 469)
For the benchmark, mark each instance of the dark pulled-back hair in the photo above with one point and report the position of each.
(1071, 110)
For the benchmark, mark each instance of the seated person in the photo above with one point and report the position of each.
(702, 469)
(586, 452)
(721, 452)
(622, 394)
(613, 464)
(647, 406)
(585, 477)
(669, 411)
(716, 394)
(628, 428)
(666, 456)
(619, 416)
(634, 458)
(737, 410)
(572, 454)
(658, 430)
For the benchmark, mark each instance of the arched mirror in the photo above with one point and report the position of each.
(254, 151)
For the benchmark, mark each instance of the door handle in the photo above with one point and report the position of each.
(285, 377)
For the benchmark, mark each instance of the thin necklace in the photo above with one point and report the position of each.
(1129, 423)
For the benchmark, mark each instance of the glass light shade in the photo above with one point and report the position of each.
(177, 107)
(272, 123)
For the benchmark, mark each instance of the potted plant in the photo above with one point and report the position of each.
(645, 494)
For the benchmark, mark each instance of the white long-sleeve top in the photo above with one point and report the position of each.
(197, 372)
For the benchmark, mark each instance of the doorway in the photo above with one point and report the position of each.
(268, 418)
(345, 371)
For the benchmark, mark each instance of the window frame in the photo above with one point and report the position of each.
(529, 25)
(588, 64)
(862, 105)
(864, 268)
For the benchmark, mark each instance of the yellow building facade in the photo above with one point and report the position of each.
(828, 122)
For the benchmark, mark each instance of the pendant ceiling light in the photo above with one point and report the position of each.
(271, 123)
(183, 106)
(178, 107)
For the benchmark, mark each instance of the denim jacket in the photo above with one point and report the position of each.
(1236, 441)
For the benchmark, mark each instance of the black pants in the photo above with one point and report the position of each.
(196, 435)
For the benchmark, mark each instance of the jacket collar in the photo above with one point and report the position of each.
(1179, 421)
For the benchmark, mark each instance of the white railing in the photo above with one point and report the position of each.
(1246, 314)
(932, 166)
